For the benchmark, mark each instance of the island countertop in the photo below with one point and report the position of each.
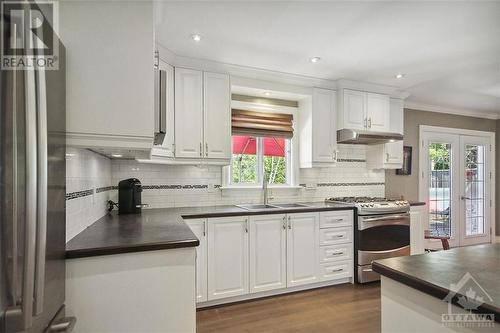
(433, 273)
(159, 229)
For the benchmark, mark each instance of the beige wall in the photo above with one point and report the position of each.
(497, 178)
(407, 186)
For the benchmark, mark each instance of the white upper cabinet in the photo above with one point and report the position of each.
(318, 130)
(217, 116)
(167, 148)
(389, 155)
(303, 247)
(199, 228)
(267, 252)
(109, 73)
(324, 125)
(377, 112)
(354, 111)
(227, 257)
(188, 113)
(367, 111)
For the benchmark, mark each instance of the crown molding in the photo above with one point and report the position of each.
(448, 110)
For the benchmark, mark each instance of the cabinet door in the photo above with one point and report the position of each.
(167, 148)
(394, 153)
(227, 257)
(302, 248)
(198, 226)
(378, 112)
(354, 109)
(267, 252)
(217, 115)
(188, 113)
(324, 125)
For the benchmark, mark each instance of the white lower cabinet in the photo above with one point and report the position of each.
(302, 248)
(250, 254)
(267, 252)
(417, 229)
(199, 228)
(227, 257)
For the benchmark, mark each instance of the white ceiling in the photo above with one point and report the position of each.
(449, 51)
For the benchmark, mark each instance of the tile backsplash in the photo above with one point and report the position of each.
(92, 180)
(179, 186)
(88, 187)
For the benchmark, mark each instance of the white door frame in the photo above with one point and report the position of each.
(425, 130)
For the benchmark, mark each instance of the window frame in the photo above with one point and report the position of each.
(260, 165)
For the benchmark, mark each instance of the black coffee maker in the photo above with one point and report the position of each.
(129, 196)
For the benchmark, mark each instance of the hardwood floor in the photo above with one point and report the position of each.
(342, 308)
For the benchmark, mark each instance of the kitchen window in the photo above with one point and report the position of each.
(253, 157)
(261, 148)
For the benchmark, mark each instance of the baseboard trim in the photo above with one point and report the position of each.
(270, 293)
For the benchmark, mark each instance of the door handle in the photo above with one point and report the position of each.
(42, 188)
(201, 149)
(370, 122)
(365, 122)
(206, 149)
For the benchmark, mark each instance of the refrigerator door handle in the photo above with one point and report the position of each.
(31, 198)
(42, 173)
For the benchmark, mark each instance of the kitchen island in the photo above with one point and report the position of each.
(446, 291)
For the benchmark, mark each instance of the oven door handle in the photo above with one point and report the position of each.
(400, 219)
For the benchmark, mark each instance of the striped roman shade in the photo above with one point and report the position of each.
(261, 123)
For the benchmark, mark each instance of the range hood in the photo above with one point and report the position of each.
(366, 137)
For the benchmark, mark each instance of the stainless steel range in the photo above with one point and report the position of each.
(382, 230)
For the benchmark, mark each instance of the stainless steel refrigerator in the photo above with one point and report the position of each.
(32, 198)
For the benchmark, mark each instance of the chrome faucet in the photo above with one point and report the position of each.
(264, 189)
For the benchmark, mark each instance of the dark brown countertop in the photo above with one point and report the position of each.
(416, 203)
(159, 229)
(433, 273)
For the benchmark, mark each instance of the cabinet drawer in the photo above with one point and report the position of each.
(342, 218)
(335, 252)
(335, 235)
(336, 270)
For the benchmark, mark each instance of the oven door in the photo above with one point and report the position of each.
(380, 237)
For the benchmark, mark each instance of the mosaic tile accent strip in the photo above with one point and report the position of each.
(346, 184)
(350, 160)
(103, 189)
(78, 194)
(350, 184)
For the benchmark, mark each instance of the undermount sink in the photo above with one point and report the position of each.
(257, 207)
(291, 205)
(274, 206)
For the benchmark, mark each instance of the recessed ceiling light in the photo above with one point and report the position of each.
(267, 93)
(400, 75)
(315, 59)
(116, 155)
(196, 37)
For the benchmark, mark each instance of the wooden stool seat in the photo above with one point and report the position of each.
(444, 240)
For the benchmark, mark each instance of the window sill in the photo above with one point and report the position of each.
(257, 187)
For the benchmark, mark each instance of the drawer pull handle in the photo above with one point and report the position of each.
(338, 220)
(337, 253)
(339, 236)
(337, 270)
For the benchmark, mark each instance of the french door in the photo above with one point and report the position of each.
(455, 182)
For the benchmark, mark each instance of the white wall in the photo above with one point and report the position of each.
(181, 186)
(88, 182)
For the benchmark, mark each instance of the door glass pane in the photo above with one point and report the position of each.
(474, 189)
(440, 218)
